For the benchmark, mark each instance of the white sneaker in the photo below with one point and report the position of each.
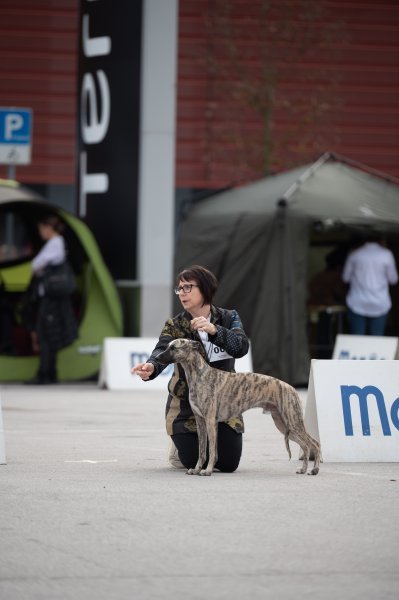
(173, 456)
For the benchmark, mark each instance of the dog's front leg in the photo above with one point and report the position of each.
(212, 431)
(201, 430)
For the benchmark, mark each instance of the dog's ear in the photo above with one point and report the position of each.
(195, 345)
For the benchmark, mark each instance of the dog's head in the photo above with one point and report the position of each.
(178, 351)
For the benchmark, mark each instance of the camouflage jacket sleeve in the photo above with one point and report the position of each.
(168, 334)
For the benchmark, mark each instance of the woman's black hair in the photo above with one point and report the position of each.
(54, 222)
(204, 278)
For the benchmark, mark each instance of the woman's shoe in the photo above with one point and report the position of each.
(173, 456)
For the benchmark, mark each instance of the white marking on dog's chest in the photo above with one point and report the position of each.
(196, 410)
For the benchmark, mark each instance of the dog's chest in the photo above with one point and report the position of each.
(197, 409)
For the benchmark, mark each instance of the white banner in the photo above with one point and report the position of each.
(121, 354)
(353, 409)
(365, 347)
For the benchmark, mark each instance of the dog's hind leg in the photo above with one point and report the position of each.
(302, 442)
(307, 444)
(279, 423)
(202, 440)
(317, 454)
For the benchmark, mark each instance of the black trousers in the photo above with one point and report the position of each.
(229, 448)
(48, 362)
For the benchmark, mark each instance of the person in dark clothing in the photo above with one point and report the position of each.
(55, 326)
(223, 339)
(6, 321)
(326, 300)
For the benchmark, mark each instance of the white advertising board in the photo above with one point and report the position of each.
(365, 347)
(353, 409)
(2, 440)
(119, 355)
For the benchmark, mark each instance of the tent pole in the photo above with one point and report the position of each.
(291, 190)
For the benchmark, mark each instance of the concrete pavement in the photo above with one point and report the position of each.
(89, 509)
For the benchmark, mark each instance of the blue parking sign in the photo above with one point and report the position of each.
(15, 135)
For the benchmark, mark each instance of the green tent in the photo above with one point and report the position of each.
(96, 301)
(257, 240)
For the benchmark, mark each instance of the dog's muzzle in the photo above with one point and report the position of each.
(164, 357)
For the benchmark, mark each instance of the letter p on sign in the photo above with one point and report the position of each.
(15, 136)
(13, 123)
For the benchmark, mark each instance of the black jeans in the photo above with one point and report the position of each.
(48, 361)
(229, 448)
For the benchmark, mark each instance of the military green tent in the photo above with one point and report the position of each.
(257, 238)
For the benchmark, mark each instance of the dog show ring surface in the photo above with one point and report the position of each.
(353, 409)
(121, 354)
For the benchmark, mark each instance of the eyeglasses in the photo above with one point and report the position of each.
(186, 289)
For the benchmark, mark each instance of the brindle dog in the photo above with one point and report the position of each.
(217, 396)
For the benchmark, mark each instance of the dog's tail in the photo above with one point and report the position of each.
(287, 442)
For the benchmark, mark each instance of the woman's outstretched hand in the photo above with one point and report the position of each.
(143, 370)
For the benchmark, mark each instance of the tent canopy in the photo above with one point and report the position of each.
(256, 240)
(96, 299)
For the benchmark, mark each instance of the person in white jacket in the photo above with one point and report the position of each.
(369, 271)
(55, 325)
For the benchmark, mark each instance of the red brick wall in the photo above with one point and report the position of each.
(348, 74)
(38, 51)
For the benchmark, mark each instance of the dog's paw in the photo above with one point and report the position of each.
(193, 472)
(301, 471)
(314, 471)
(205, 472)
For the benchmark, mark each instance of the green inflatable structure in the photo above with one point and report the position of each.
(96, 302)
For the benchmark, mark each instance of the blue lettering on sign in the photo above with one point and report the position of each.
(363, 394)
(346, 355)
